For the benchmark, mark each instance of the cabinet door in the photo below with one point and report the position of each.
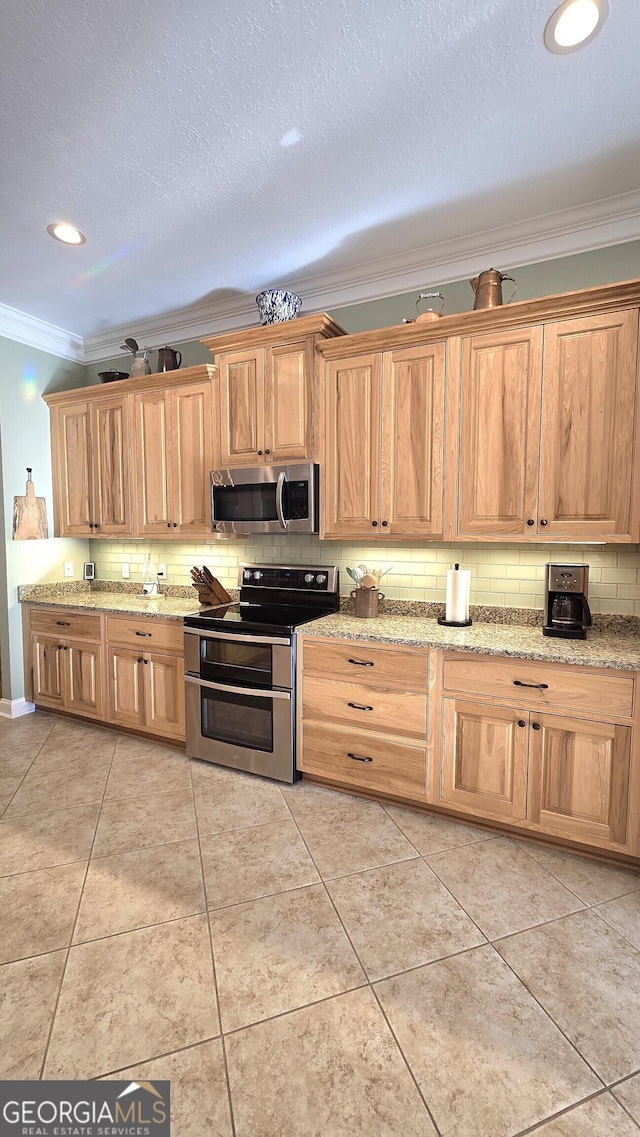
(588, 480)
(500, 387)
(71, 445)
(126, 704)
(47, 655)
(351, 494)
(82, 664)
(241, 388)
(412, 429)
(152, 464)
(288, 401)
(191, 458)
(579, 779)
(163, 678)
(111, 467)
(484, 759)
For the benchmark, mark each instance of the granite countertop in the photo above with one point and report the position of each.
(602, 648)
(166, 607)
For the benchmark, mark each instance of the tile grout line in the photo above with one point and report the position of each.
(369, 984)
(586, 903)
(532, 1129)
(492, 943)
(80, 898)
(22, 778)
(213, 958)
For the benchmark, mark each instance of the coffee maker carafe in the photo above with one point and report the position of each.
(566, 608)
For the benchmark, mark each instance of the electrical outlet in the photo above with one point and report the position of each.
(68, 568)
(162, 572)
(126, 573)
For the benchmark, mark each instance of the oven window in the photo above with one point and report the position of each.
(226, 661)
(242, 720)
(254, 502)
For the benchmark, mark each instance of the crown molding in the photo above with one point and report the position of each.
(584, 228)
(18, 326)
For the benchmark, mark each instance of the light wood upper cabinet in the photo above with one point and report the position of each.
(499, 424)
(173, 451)
(350, 501)
(484, 759)
(383, 444)
(548, 422)
(579, 778)
(588, 463)
(266, 404)
(90, 456)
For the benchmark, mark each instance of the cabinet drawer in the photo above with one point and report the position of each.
(539, 685)
(146, 633)
(362, 662)
(381, 766)
(59, 622)
(370, 708)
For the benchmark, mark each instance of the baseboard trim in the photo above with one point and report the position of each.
(14, 708)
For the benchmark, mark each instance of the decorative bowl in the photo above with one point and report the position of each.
(276, 305)
(111, 376)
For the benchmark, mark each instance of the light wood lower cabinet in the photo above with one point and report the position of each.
(67, 675)
(484, 759)
(125, 670)
(579, 774)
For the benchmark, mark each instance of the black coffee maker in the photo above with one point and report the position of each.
(566, 609)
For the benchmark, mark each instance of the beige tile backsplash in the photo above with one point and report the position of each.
(502, 575)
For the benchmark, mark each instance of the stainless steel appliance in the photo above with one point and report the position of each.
(240, 667)
(566, 608)
(265, 499)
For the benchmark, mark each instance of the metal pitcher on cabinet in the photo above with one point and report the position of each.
(488, 288)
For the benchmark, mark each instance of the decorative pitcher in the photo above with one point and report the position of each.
(169, 359)
(488, 288)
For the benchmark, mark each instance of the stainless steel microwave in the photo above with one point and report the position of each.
(265, 499)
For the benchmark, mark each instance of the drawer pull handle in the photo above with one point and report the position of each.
(362, 662)
(145, 634)
(538, 686)
(63, 623)
(358, 757)
(359, 707)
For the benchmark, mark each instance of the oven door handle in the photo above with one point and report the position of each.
(279, 499)
(231, 637)
(260, 694)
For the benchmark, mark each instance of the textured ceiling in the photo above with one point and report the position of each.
(209, 149)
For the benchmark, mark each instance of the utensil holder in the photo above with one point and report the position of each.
(366, 601)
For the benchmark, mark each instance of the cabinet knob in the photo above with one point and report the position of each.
(267, 451)
(259, 451)
(168, 524)
(145, 661)
(140, 659)
(521, 722)
(543, 521)
(536, 725)
(384, 524)
(530, 521)
(374, 523)
(96, 526)
(175, 525)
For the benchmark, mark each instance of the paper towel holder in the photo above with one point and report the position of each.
(454, 623)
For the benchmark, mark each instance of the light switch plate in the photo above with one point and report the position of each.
(68, 568)
(126, 573)
(162, 572)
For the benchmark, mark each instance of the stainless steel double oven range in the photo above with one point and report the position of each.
(240, 664)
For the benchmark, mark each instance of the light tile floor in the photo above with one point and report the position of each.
(302, 963)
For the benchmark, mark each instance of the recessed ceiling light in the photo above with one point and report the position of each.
(574, 24)
(68, 234)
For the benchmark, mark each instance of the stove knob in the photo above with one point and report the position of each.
(308, 577)
(247, 574)
(258, 575)
(321, 577)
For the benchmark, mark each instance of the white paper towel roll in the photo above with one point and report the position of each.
(457, 599)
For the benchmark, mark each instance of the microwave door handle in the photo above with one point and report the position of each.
(260, 694)
(279, 498)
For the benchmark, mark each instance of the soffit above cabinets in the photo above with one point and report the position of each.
(208, 151)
